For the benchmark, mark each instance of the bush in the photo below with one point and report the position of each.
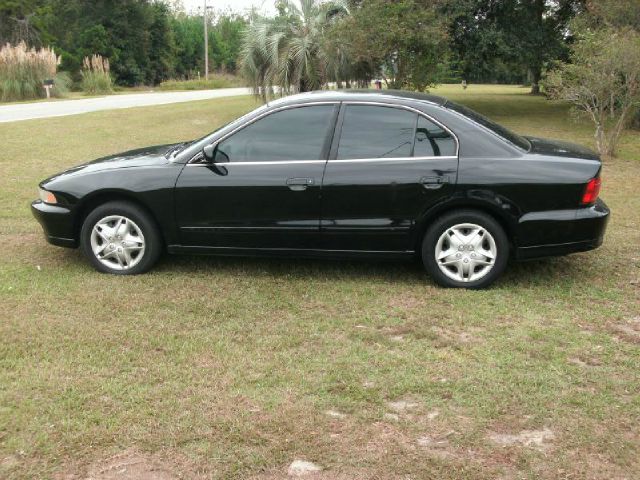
(23, 71)
(215, 81)
(62, 85)
(602, 81)
(96, 78)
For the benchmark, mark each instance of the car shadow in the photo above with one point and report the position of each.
(538, 273)
(546, 271)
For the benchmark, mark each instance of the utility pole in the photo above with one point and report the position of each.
(206, 44)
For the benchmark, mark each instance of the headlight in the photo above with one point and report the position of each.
(47, 197)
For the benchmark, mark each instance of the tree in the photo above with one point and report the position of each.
(402, 40)
(289, 50)
(602, 81)
(527, 34)
(615, 13)
(225, 40)
(19, 21)
(188, 34)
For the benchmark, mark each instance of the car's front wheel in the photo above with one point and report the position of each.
(465, 249)
(120, 238)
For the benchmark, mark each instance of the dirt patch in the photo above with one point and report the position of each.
(538, 439)
(130, 465)
(437, 445)
(400, 406)
(407, 302)
(628, 331)
(363, 474)
(585, 361)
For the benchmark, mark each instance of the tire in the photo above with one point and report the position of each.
(465, 242)
(120, 238)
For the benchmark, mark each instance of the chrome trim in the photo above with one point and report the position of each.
(393, 159)
(347, 160)
(276, 162)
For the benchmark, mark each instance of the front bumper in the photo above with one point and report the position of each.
(544, 234)
(57, 223)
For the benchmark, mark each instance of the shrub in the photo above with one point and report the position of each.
(215, 81)
(602, 81)
(23, 71)
(62, 85)
(96, 78)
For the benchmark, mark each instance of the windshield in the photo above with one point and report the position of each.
(499, 130)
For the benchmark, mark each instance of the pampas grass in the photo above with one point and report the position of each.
(95, 75)
(23, 71)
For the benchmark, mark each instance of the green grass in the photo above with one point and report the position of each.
(224, 368)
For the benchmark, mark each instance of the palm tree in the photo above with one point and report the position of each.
(291, 51)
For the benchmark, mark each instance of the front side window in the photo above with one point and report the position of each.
(370, 132)
(292, 134)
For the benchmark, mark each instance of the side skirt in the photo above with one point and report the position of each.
(290, 252)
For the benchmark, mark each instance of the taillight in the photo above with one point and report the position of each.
(591, 191)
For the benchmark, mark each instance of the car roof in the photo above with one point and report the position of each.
(384, 96)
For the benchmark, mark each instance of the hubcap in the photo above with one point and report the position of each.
(466, 252)
(117, 242)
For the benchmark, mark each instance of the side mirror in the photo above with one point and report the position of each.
(209, 152)
(213, 155)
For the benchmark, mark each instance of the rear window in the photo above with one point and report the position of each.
(499, 130)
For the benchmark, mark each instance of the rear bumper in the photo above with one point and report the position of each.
(544, 234)
(57, 223)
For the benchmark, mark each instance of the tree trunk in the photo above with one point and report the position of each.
(303, 86)
(536, 74)
(536, 65)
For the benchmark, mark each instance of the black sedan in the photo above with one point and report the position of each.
(339, 174)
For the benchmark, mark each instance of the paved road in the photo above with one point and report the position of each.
(60, 108)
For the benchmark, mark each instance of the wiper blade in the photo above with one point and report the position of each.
(173, 150)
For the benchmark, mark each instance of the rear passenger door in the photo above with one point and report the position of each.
(387, 167)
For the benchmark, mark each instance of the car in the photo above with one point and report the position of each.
(344, 174)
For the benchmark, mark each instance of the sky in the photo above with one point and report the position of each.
(240, 6)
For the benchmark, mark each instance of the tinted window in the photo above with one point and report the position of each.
(432, 140)
(494, 127)
(294, 134)
(376, 132)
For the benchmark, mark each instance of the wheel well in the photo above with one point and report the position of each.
(100, 199)
(430, 218)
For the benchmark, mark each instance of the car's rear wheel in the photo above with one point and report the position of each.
(465, 249)
(120, 238)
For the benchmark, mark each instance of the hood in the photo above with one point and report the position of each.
(142, 157)
(560, 148)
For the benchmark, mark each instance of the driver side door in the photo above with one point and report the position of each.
(262, 189)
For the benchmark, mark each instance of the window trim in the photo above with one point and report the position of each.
(328, 140)
(338, 134)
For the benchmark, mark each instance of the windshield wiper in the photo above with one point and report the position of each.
(176, 148)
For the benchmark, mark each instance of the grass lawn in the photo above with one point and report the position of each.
(233, 368)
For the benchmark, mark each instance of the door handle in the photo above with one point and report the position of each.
(299, 184)
(433, 183)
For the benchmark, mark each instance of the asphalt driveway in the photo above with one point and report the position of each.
(27, 111)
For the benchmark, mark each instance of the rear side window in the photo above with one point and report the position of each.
(376, 132)
(499, 130)
(293, 134)
(370, 132)
(432, 140)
